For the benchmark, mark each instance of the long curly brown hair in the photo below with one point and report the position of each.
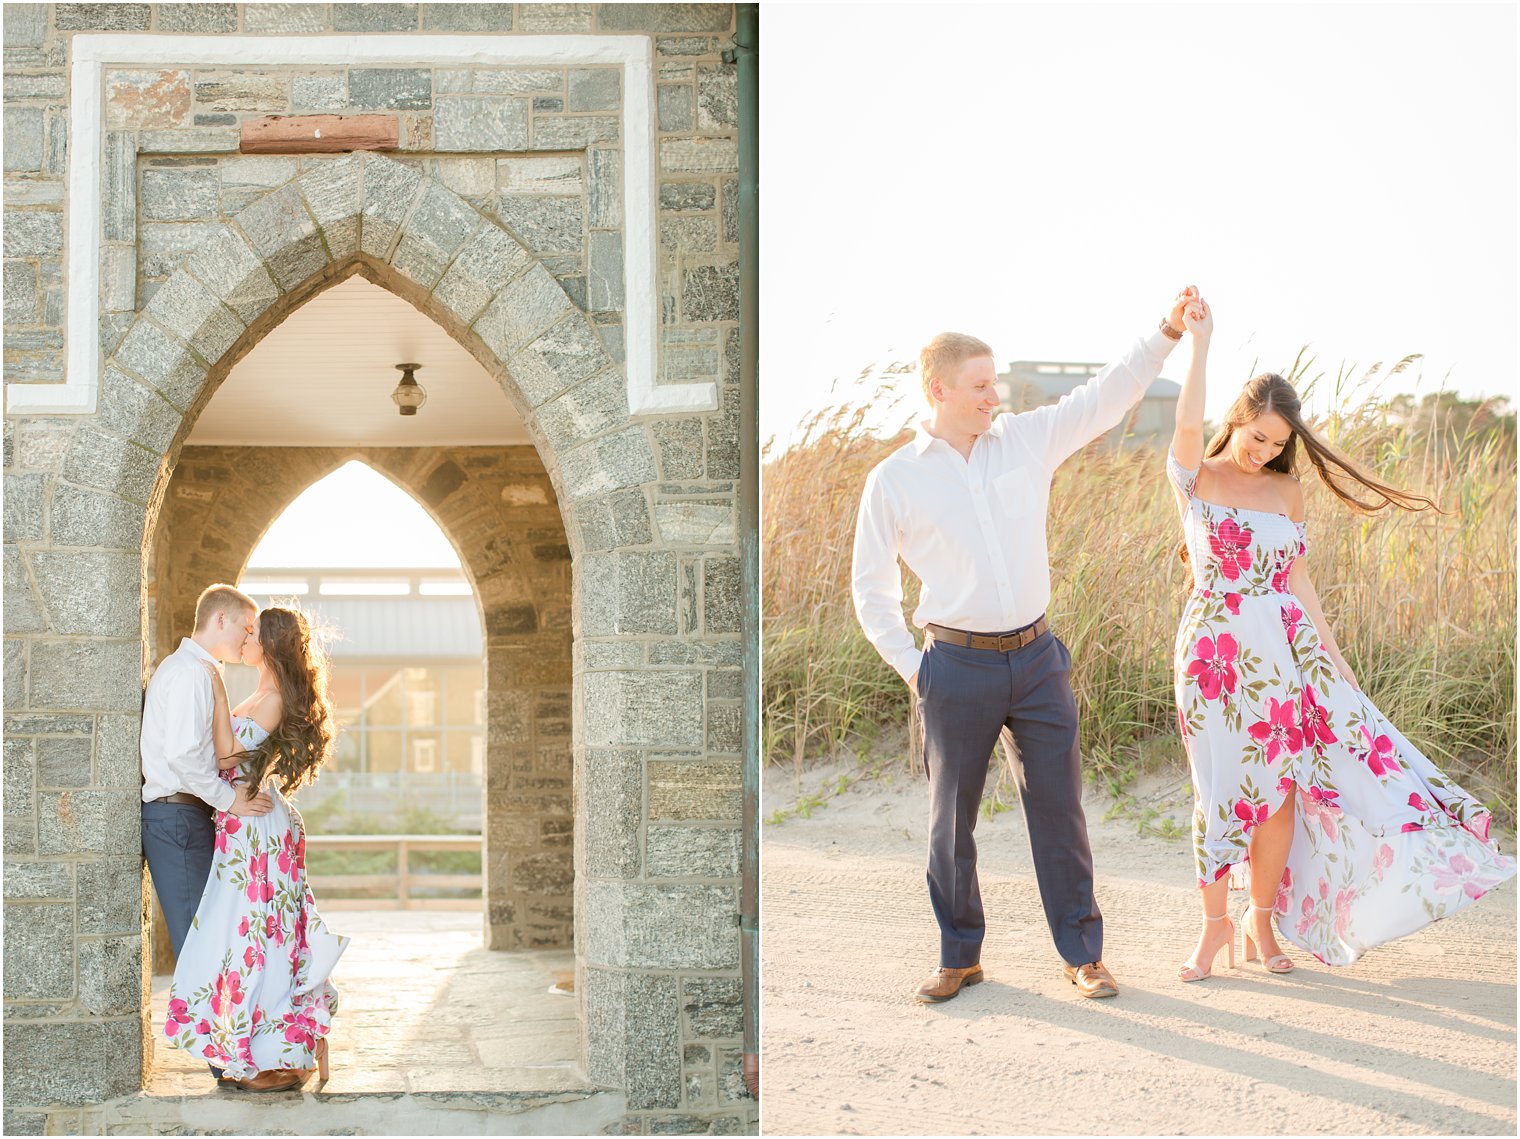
(304, 739)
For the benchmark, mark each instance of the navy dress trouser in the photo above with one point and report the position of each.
(967, 697)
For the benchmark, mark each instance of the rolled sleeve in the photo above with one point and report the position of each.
(188, 744)
(1102, 402)
(876, 582)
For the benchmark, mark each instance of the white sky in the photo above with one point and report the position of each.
(353, 518)
(1047, 176)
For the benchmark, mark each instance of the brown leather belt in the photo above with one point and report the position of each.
(183, 797)
(1002, 643)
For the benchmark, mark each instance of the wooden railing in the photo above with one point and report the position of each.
(323, 886)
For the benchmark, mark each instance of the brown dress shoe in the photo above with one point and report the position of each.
(270, 1080)
(1092, 979)
(946, 983)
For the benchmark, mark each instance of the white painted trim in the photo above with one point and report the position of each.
(77, 395)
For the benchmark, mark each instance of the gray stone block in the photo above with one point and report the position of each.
(595, 89)
(586, 410)
(731, 210)
(390, 189)
(604, 1001)
(692, 852)
(482, 268)
(710, 292)
(242, 91)
(643, 709)
(689, 235)
(44, 1059)
(604, 175)
(285, 236)
(404, 88)
(111, 976)
(136, 412)
(374, 17)
(82, 518)
(524, 309)
(39, 954)
(687, 196)
(557, 174)
(608, 463)
(662, 925)
(615, 521)
(25, 26)
(111, 894)
(119, 187)
(16, 675)
(695, 789)
(674, 107)
(611, 811)
(23, 507)
(63, 761)
(261, 171)
(88, 822)
(480, 122)
(695, 522)
(604, 277)
(439, 227)
(20, 291)
(577, 132)
(38, 881)
(234, 274)
(110, 463)
(699, 155)
(189, 310)
(517, 81)
(331, 191)
(717, 98)
(87, 676)
(20, 776)
(653, 1049)
(725, 728)
(544, 224)
(722, 597)
(467, 17)
(197, 17)
(628, 593)
(90, 593)
(555, 17)
(24, 140)
(666, 17)
(321, 92)
(179, 194)
(26, 1122)
(33, 233)
(118, 278)
(23, 614)
(713, 1007)
(285, 18)
(101, 18)
(118, 761)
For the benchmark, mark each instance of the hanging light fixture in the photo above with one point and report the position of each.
(409, 394)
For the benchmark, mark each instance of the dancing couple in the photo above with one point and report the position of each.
(1351, 836)
(227, 853)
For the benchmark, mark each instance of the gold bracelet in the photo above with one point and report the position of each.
(1167, 328)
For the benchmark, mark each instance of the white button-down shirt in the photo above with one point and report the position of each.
(178, 752)
(973, 530)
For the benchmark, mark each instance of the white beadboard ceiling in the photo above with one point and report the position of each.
(325, 376)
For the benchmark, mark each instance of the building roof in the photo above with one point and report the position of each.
(1055, 378)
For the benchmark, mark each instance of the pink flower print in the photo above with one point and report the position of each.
(1285, 784)
(1212, 665)
(1407, 827)
(1316, 720)
(301, 1028)
(1324, 890)
(1343, 900)
(225, 825)
(1231, 545)
(1278, 731)
(1280, 579)
(245, 1051)
(1379, 754)
(259, 889)
(274, 928)
(179, 1013)
(1382, 860)
(203, 1028)
(1284, 888)
(287, 858)
(1291, 616)
(226, 992)
(253, 957)
(1249, 815)
(1320, 806)
(301, 853)
(1232, 603)
(258, 1014)
(212, 1052)
(243, 928)
(1418, 803)
(1457, 874)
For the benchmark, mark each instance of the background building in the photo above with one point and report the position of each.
(1034, 383)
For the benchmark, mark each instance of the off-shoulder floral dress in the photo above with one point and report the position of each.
(1383, 843)
(251, 989)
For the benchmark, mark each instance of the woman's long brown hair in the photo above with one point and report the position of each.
(1270, 393)
(304, 739)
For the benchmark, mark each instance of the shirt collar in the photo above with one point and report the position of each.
(186, 644)
(922, 439)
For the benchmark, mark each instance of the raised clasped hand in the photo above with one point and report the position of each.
(1187, 296)
(1198, 318)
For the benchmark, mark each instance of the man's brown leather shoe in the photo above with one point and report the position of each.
(270, 1080)
(946, 983)
(1092, 979)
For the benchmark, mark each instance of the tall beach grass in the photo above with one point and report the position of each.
(1422, 604)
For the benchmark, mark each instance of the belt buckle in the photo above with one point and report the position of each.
(1015, 638)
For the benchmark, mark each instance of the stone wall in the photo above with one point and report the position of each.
(497, 506)
(515, 250)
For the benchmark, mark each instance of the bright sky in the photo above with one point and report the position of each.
(1048, 176)
(354, 518)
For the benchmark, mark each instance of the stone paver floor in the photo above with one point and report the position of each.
(430, 1025)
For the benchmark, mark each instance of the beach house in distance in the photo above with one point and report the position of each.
(1028, 384)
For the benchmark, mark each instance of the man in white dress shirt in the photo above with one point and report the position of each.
(180, 781)
(963, 505)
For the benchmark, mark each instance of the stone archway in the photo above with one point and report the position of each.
(497, 508)
(652, 693)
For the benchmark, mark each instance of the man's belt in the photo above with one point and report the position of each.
(1001, 643)
(183, 797)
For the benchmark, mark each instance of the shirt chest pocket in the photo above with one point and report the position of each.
(1019, 493)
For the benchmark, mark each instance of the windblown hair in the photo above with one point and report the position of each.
(304, 739)
(221, 598)
(947, 351)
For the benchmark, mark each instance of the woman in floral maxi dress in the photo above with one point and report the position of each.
(1352, 836)
(251, 991)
